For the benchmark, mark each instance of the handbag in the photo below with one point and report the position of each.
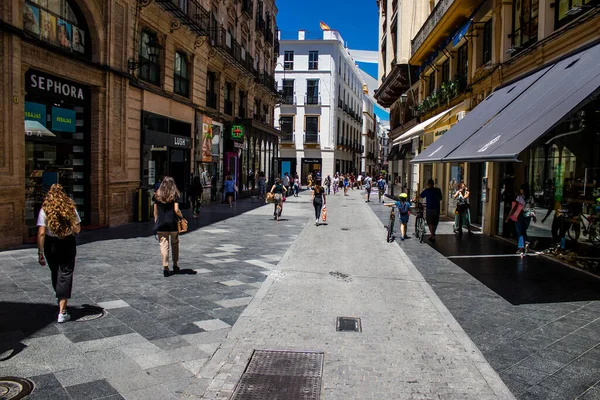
(324, 214)
(182, 225)
(517, 211)
(283, 199)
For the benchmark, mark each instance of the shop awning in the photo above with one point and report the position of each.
(394, 153)
(405, 150)
(34, 128)
(419, 129)
(516, 115)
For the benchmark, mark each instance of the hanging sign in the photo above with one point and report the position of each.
(207, 136)
(237, 132)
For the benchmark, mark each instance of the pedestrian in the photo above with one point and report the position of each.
(166, 215)
(433, 196)
(262, 185)
(336, 183)
(522, 212)
(368, 182)
(278, 191)
(346, 184)
(230, 189)
(58, 223)
(381, 188)
(319, 200)
(286, 181)
(461, 214)
(309, 178)
(296, 185)
(403, 206)
(328, 184)
(359, 181)
(196, 196)
(352, 181)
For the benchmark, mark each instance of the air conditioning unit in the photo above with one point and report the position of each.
(460, 115)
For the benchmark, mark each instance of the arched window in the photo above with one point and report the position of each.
(58, 22)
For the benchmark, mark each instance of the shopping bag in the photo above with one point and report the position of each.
(517, 211)
(324, 214)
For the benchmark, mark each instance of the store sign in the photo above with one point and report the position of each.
(238, 145)
(63, 119)
(237, 132)
(35, 112)
(311, 161)
(207, 137)
(48, 85)
(179, 141)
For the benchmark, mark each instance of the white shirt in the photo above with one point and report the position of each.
(42, 220)
(286, 180)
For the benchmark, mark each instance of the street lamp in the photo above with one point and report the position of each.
(153, 48)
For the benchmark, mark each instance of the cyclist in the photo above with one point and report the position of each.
(403, 206)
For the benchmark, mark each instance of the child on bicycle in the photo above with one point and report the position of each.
(403, 206)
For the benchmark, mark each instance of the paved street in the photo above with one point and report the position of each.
(252, 283)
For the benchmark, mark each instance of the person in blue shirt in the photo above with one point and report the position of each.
(433, 196)
(229, 189)
(403, 206)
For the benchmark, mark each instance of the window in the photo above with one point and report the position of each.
(462, 61)
(312, 91)
(312, 129)
(288, 60)
(286, 124)
(340, 65)
(227, 97)
(562, 8)
(242, 105)
(431, 82)
(288, 91)
(180, 75)
(446, 71)
(211, 95)
(487, 42)
(525, 23)
(58, 23)
(313, 60)
(149, 68)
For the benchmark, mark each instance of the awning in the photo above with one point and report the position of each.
(405, 150)
(394, 153)
(419, 129)
(34, 128)
(516, 115)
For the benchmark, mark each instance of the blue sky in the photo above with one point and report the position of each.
(356, 20)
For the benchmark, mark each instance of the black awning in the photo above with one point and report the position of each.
(545, 98)
(405, 150)
(394, 153)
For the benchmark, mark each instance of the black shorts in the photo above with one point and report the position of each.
(432, 217)
(229, 194)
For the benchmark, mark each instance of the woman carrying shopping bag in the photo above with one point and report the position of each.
(319, 200)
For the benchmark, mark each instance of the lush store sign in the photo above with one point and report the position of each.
(63, 119)
(35, 112)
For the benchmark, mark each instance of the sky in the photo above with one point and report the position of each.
(356, 20)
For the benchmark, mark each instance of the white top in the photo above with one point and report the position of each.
(42, 219)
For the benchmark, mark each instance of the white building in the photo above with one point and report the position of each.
(322, 110)
(369, 135)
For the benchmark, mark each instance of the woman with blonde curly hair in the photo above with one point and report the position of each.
(166, 214)
(58, 223)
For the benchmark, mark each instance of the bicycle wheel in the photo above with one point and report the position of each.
(390, 229)
(421, 230)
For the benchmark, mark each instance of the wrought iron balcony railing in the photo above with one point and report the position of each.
(434, 18)
(248, 8)
(311, 138)
(287, 138)
(190, 13)
(312, 100)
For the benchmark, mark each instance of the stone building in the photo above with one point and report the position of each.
(111, 95)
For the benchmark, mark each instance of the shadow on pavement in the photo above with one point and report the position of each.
(22, 320)
(519, 280)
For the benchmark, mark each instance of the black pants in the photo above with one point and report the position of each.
(60, 255)
(318, 204)
(560, 227)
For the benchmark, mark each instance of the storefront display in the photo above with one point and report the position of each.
(56, 142)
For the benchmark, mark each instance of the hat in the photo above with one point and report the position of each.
(403, 196)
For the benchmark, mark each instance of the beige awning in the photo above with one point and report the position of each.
(419, 129)
(34, 128)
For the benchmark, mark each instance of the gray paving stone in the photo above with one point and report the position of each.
(91, 390)
(154, 360)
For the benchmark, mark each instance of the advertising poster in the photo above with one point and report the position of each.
(48, 31)
(31, 19)
(207, 136)
(64, 33)
(78, 40)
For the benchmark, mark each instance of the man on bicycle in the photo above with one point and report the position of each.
(403, 206)
(433, 196)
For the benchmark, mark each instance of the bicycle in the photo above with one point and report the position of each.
(591, 230)
(390, 227)
(420, 230)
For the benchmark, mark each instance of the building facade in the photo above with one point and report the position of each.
(369, 135)
(508, 97)
(110, 96)
(321, 114)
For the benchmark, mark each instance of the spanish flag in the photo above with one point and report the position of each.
(324, 26)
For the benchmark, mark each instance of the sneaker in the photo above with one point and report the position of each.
(63, 317)
(402, 238)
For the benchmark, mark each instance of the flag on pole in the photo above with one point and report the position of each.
(324, 26)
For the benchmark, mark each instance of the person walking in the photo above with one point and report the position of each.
(286, 181)
(309, 178)
(368, 182)
(433, 196)
(522, 212)
(381, 188)
(196, 196)
(336, 183)
(262, 185)
(230, 189)
(58, 223)
(352, 181)
(359, 181)
(346, 184)
(462, 210)
(166, 214)
(328, 184)
(278, 191)
(319, 200)
(403, 206)
(296, 185)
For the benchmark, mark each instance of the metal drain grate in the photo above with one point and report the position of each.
(278, 375)
(12, 388)
(348, 324)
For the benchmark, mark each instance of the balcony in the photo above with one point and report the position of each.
(290, 100)
(266, 80)
(340, 104)
(269, 37)
(260, 118)
(190, 13)
(352, 114)
(228, 107)
(287, 138)
(311, 138)
(211, 100)
(248, 8)
(261, 25)
(312, 100)
(345, 107)
(276, 43)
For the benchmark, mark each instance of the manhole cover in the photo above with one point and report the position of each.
(276, 375)
(12, 388)
(86, 313)
(348, 324)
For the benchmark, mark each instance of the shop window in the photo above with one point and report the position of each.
(313, 60)
(180, 75)
(487, 42)
(525, 23)
(149, 68)
(445, 71)
(288, 60)
(568, 10)
(59, 23)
